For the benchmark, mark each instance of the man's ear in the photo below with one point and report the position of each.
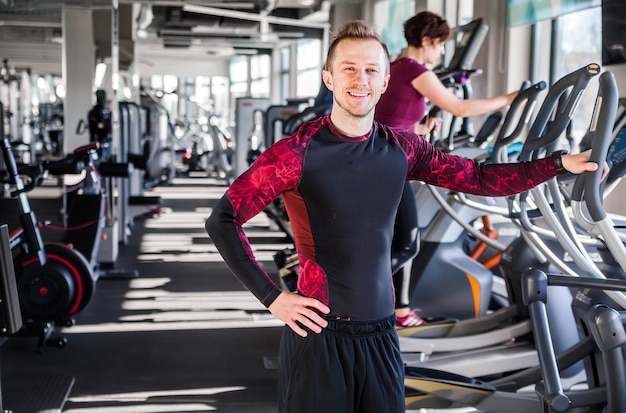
(328, 79)
(385, 84)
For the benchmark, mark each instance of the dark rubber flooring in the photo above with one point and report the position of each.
(182, 336)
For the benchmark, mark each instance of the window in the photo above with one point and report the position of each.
(521, 12)
(239, 76)
(165, 87)
(579, 36)
(202, 94)
(390, 16)
(309, 67)
(260, 76)
(219, 93)
(238, 81)
(283, 74)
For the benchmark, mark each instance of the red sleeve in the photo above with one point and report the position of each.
(432, 166)
(275, 171)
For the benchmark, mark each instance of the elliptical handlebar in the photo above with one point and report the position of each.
(601, 131)
(601, 126)
(524, 101)
(560, 103)
(544, 132)
(457, 76)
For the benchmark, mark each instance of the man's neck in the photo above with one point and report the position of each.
(351, 125)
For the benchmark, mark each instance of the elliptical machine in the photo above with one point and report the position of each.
(434, 273)
(477, 345)
(602, 337)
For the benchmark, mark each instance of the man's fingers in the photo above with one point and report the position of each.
(311, 325)
(298, 312)
(321, 307)
(297, 329)
(309, 319)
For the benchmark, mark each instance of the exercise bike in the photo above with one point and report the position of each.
(54, 281)
(85, 203)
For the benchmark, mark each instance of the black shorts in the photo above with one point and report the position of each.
(350, 367)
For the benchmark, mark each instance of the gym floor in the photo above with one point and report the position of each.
(170, 330)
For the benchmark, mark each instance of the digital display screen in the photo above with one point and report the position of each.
(613, 33)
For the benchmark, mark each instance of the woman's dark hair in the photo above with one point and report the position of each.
(425, 24)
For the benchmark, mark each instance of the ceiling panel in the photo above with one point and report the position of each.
(31, 32)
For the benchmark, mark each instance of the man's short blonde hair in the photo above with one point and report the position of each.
(356, 29)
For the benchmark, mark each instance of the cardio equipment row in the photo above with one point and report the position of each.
(58, 260)
(586, 374)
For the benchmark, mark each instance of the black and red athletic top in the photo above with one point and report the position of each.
(341, 194)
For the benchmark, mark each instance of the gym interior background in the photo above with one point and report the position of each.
(181, 65)
(215, 52)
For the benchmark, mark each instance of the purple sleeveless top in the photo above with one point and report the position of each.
(401, 106)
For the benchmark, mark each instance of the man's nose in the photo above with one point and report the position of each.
(361, 75)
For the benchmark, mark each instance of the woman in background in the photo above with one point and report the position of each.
(403, 105)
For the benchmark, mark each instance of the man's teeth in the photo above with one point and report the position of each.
(359, 94)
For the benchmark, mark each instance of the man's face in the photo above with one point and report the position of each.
(358, 75)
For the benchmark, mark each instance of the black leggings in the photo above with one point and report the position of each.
(350, 367)
(405, 245)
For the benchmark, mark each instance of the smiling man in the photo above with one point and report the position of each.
(341, 178)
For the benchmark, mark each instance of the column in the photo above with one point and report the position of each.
(78, 72)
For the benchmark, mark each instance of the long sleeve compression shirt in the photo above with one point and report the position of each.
(341, 194)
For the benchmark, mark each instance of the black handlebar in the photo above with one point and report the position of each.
(524, 102)
(72, 164)
(589, 184)
(459, 76)
(565, 95)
